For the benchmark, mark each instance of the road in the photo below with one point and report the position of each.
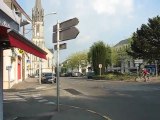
(117, 100)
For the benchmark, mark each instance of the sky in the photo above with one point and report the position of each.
(109, 21)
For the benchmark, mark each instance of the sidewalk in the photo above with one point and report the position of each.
(66, 112)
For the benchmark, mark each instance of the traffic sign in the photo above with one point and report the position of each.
(66, 34)
(100, 65)
(66, 24)
(138, 61)
(61, 46)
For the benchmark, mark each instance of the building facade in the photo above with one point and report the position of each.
(16, 62)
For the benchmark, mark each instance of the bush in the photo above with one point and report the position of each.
(113, 76)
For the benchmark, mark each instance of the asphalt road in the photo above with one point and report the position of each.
(117, 100)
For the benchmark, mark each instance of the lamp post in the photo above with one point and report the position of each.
(40, 60)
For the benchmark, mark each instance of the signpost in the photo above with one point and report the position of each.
(100, 67)
(66, 24)
(61, 46)
(63, 31)
(137, 62)
(67, 34)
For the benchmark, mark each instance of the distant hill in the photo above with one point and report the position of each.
(122, 42)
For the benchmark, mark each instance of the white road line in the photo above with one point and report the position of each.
(43, 100)
(50, 103)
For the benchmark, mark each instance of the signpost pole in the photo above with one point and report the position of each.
(100, 72)
(156, 68)
(57, 65)
(1, 84)
(63, 31)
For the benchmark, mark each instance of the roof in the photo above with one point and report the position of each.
(21, 10)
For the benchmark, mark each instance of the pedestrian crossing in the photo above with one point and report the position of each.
(13, 97)
(24, 96)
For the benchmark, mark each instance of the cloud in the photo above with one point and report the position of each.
(83, 39)
(113, 7)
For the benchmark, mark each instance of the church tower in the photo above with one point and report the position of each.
(37, 34)
(38, 65)
(38, 24)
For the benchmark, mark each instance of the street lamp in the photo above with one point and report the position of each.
(40, 60)
(50, 14)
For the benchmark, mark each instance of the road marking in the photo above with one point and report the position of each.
(12, 97)
(43, 100)
(88, 110)
(50, 103)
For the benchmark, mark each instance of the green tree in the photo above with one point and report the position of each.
(108, 56)
(114, 58)
(99, 54)
(76, 60)
(146, 40)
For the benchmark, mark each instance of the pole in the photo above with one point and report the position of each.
(52, 69)
(1, 84)
(57, 65)
(156, 68)
(9, 77)
(40, 71)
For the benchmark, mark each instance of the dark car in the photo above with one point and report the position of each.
(68, 74)
(90, 74)
(48, 77)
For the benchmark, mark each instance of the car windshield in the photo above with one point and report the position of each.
(48, 74)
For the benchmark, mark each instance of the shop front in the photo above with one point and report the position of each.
(10, 38)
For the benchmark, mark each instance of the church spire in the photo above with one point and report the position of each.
(37, 12)
(38, 4)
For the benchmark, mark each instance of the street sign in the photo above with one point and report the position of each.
(61, 46)
(8, 67)
(63, 31)
(100, 65)
(66, 34)
(138, 61)
(66, 24)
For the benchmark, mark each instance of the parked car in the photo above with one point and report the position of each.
(90, 74)
(48, 77)
(68, 74)
(76, 74)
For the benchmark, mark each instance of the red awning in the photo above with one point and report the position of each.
(11, 38)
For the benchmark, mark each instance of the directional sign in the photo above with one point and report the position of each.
(66, 24)
(61, 46)
(138, 61)
(68, 34)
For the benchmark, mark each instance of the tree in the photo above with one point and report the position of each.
(108, 56)
(114, 58)
(99, 54)
(76, 60)
(146, 40)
